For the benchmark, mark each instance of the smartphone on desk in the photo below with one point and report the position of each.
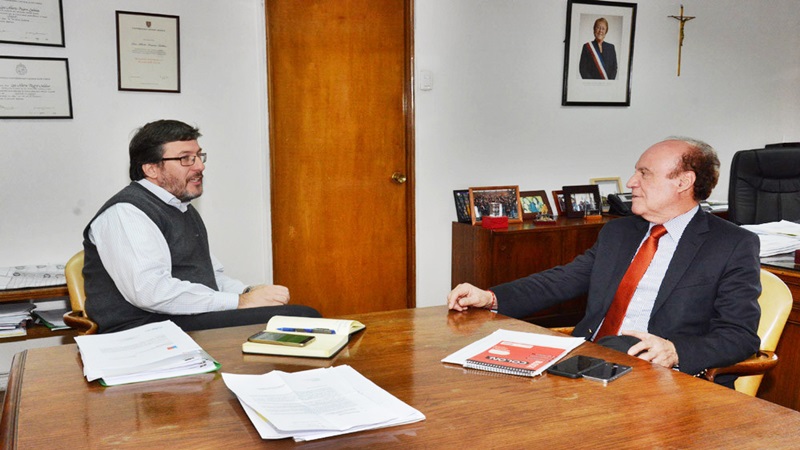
(575, 366)
(606, 372)
(269, 337)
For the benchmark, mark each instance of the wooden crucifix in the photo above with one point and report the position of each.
(683, 19)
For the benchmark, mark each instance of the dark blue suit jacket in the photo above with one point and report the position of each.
(707, 304)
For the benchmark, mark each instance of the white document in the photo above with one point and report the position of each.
(776, 237)
(317, 403)
(42, 275)
(149, 352)
(567, 343)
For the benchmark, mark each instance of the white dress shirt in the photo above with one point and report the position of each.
(136, 255)
(638, 315)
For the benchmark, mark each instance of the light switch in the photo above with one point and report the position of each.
(425, 80)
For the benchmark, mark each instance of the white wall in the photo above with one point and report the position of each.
(494, 116)
(57, 173)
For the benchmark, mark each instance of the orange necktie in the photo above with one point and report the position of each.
(629, 283)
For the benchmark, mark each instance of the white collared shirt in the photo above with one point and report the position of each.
(638, 315)
(136, 255)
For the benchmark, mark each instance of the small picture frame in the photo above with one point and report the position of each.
(534, 203)
(481, 198)
(610, 185)
(558, 199)
(461, 197)
(581, 201)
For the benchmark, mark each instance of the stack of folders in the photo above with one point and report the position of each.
(149, 352)
(317, 403)
(14, 318)
(514, 352)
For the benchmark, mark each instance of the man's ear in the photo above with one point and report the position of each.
(686, 180)
(150, 170)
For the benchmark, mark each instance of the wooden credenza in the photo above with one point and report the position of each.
(487, 258)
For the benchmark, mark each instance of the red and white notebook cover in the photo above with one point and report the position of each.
(516, 355)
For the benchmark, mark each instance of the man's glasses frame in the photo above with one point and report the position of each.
(188, 160)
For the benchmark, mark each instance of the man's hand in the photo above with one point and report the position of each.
(465, 295)
(264, 295)
(652, 348)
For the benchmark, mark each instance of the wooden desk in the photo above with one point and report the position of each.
(49, 403)
(487, 258)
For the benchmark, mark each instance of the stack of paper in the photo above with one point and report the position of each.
(317, 403)
(14, 318)
(776, 237)
(149, 352)
(52, 318)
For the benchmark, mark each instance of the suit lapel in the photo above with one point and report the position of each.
(692, 239)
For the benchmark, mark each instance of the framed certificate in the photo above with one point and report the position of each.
(34, 88)
(32, 22)
(148, 52)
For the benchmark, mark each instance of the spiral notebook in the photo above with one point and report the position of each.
(515, 358)
(514, 352)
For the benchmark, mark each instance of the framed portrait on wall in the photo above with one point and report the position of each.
(598, 53)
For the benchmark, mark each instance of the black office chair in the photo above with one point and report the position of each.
(765, 184)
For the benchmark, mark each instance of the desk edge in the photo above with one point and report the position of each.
(8, 423)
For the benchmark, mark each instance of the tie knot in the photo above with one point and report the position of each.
(658, 231)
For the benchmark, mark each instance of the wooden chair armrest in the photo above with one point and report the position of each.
(79, 321)
(565, 330)
(757, 364)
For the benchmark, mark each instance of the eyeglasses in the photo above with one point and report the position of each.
(187, 160)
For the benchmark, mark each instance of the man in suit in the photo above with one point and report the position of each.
(696, 306)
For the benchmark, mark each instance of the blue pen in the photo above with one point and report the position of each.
(309, 330)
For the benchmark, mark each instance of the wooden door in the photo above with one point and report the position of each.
(340, 128)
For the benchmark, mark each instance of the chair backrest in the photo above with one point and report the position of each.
(776, 303)
(73, 271)
(765, 184)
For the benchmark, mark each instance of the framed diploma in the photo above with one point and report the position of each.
(34, 88)
(148, 52)
(32, 22)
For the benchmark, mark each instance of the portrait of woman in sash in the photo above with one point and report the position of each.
(598, 58)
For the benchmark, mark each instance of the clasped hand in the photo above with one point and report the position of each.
(652, 348)
(264, 295)
(465, 295)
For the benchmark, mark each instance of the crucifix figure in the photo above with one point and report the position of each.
(683, 20)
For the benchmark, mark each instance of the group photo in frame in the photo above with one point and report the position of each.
(609, 185)
(481, 199)
(581, 201)
(534, 203)
(598, 53)
(148, 52)
(32, 23)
